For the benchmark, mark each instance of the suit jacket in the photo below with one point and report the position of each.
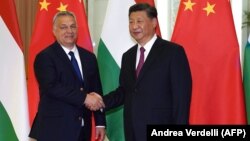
(62, 95)
(161, 93)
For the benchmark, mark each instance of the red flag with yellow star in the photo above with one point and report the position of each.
(205, 28)
(42, 37)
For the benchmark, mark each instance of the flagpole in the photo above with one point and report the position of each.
(87, 7)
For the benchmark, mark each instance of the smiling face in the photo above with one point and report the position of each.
(141, 27)
(65, 30)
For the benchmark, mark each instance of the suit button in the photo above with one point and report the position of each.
(135, 90)
(81, 89)
(79, 118)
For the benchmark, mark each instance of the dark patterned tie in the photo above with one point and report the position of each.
(141, 61)
(75, 65)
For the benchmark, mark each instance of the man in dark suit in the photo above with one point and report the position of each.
(62, 113)
(160, 93)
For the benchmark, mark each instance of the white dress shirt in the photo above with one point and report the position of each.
(147, 48)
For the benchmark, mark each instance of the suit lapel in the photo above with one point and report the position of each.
(154, 52)
(132, 66)
(83, 63)
(64, 57)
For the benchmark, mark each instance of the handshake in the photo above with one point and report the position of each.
(94, 102)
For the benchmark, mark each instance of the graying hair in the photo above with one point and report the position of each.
(63, 13)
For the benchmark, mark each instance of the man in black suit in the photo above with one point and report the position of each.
(62, 113)
(160, 93)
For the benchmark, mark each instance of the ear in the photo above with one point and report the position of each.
(53, 30)
(155, 22)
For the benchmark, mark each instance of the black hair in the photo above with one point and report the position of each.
(150, 10)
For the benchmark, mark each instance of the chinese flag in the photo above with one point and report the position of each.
(206, 30)
(42, 37)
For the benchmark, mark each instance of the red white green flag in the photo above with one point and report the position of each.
(115, 40)
(246, 77)
(14, 120)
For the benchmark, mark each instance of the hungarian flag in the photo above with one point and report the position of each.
(115, 40)
(14, 120)
(206, 30)
(246, 77)
(42, 37)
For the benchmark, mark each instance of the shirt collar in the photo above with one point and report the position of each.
(68, 50)
(149, 44)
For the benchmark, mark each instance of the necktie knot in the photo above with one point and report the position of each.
(71, 53)
(142, 50)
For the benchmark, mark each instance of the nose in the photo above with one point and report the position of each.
(69, 29)
(133, 25)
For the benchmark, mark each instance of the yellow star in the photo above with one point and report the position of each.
(44, 5)
(62, 7)
(189, 5)
(209, 8)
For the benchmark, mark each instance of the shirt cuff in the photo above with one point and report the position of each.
(100, 126)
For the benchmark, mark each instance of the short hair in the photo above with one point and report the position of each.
(150, 10)
(63, 13)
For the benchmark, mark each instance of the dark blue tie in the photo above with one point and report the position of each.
(75, 65)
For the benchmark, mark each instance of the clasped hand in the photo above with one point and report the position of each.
(94, 102)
